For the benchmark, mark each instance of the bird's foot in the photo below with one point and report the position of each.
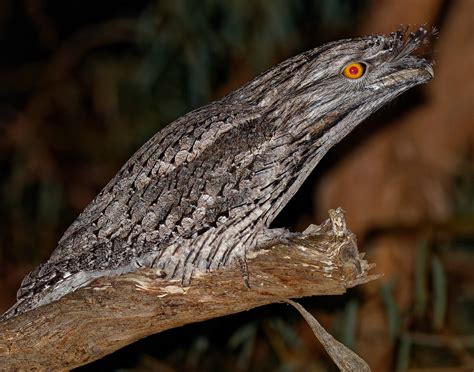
(268, 237)
(244, 270)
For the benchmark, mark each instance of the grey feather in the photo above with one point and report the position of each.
(203, 191)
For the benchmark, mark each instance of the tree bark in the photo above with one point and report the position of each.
(111, 313)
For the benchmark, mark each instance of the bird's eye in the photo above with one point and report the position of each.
(354, 70)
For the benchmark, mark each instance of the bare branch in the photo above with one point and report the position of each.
(114, 312)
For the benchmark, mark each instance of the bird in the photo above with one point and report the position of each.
(202, 192)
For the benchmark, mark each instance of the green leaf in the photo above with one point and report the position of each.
(421, 274)
(439, 292)
(393, 312)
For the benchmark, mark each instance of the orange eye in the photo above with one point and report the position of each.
(354, 70)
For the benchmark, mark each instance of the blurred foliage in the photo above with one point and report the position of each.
(438, 331)
(83, 84)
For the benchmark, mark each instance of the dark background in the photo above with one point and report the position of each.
(84, 83)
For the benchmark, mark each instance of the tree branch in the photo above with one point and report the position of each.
(111, 313)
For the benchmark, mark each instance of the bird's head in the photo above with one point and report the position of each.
(335, 86)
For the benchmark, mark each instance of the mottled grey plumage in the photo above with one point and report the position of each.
(204, 190)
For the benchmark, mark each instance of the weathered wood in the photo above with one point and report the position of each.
(114, 312)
